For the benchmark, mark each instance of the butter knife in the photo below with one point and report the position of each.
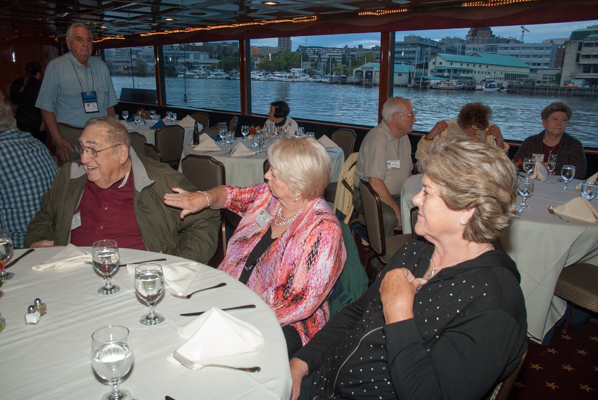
(224, 309)
(142, 262)
(18, 258)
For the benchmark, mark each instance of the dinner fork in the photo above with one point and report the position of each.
(181, 296)
(551, 211)
(191, 365)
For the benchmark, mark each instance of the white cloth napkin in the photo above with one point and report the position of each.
(241, 151)
(217, 334)
(187, 122)
(540, 172)
(578, 208)
(69, 257)
(206, 143)
(592, 178)
(178, 276)
(327, 142)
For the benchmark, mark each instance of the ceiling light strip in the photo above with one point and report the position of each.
(492, 3)
(382, 12)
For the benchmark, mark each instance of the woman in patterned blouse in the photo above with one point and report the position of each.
(288, 247)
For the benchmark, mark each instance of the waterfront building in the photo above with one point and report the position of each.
(369, 73)
(536, 55)
(580, 65)
(479, 35)
(478, 67)
(452, 45)
(417, 51)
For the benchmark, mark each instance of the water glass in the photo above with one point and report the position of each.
(301, 131)
(174, 117)
(230, 138)
(311, 135)
(258, 141)
(550, 166)
(588, 190)
(116, 116)
(149, 285)
(125, 115)
(152, 114)
(245, 130)
(106, 259)
(567, 173)
(137, 119)
(5, 254)
(525, 189)
(169, 116)
(112, 358)
(222, 131)
(528, 166)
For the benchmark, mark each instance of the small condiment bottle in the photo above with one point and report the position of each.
(196, 134)
(39, 306)
(32, 317)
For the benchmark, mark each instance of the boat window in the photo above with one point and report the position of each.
(132, 70)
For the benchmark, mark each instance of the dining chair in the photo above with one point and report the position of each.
(169, 140)
(211, 132)
(152, 152)
(202, 117)
(502, 389)
(138, 142)
(345, 138)
(578, 284)
(232, 124)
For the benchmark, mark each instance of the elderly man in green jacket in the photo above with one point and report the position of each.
(115, 194)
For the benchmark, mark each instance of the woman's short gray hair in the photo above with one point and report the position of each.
(303, 164)
(473, 174)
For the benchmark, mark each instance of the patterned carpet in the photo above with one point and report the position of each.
(567, 369)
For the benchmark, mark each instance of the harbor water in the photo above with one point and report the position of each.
(518, 116)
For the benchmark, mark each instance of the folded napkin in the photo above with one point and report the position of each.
(158, 124)
(540, 172)
(206, 143)
(178, 276)
(131, 118)
(187, 122)
(69, 257)
(241, 151)
(578, 208)
(326, 142)
(218, 334)
(592, 178)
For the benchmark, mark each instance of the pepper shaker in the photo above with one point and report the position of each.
(39, 306)
(32, 317)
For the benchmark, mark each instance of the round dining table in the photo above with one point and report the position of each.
(541, 244)
(52, 359)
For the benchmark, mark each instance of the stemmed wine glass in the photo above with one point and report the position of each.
(106, 260)
(567, 173)
(245, 131)
(152, 114)
(588, 190)
(550, 166)
(230, 138)
(525, 189)
(173, 116)
(125, 114)
(528, 166)
(149, 284)
(5, 254)
(169, 116)
(137, 119)
(112, 357)
(222, 131)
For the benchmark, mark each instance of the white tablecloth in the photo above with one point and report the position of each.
(52, 359)
(246, 171)
(150, 134)
(541, 245)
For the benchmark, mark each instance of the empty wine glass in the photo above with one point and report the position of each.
(125, 115)
(149, 284)
(137, 119)
(106, 259)
(525, 189)
(5, 254)
(528, 166)
(152, 114)
(174, 117)
(111, 358)
(567, 173)
(222, 131)
(230, 138)
(550, 166)
(245, 130)
(588, 190)
(168, 116)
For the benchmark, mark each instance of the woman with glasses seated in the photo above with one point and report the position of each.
(278, 118)
(288, 248)
(472, 123)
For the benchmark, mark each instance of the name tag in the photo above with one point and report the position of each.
(76, 220)
(538, 157)
(90, 102)
(263, 218)
(394, 164)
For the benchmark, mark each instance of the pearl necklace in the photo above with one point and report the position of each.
(284, 221)
(431, 274)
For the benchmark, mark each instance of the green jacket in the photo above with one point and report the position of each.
(194, 238)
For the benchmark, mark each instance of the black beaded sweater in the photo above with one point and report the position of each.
(468, 333)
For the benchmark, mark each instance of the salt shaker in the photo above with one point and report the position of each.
(39, 306)
(32, 317)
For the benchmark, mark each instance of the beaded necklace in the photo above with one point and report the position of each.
(284, 221)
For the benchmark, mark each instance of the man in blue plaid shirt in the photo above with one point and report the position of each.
(26, 173)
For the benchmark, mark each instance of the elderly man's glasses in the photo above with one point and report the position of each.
(412, 115)
(93, 153)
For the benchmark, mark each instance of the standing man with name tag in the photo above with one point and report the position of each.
(385, 160)
(76, 88)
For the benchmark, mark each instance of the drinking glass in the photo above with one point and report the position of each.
(169, 116)
(525, 189)
(311, 134)
(567, 173)
(105, 258)
(137, 119)
(222, 133)
(112, 357)
(588, 190)
(258, 141)
(245, 130)
(301, 131)
(152, 114)
(174, 117)
(550, 166)
(125, 115)
(230, 138)
(149, 284)
(5, 254)
(116, 116)
(528, 166)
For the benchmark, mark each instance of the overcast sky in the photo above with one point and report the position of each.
(537, 34)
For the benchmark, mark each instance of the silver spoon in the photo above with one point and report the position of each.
(199, 290)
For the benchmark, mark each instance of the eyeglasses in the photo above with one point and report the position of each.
(93, 153)
(412, 115)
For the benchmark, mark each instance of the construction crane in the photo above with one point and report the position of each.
(523, 30)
